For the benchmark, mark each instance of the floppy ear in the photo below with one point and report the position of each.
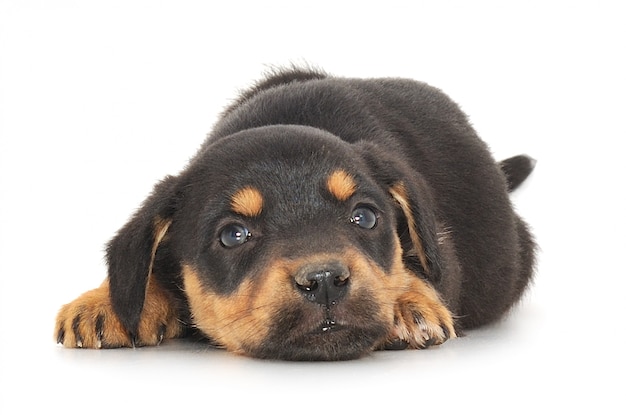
(130, 254)
(416, 219)
(417, 229)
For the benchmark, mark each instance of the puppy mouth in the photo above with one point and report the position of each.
(328, 338)
(329, 325)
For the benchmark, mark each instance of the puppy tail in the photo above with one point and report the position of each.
(517, 169)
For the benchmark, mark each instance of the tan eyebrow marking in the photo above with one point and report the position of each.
(247, 201)
(341, 185)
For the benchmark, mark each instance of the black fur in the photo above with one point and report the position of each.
(480, 254)
(517, 169)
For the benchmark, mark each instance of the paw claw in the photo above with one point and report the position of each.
(61, 335)
(396, 344)
(99, 331)
(428, 343)
(76, 330)
(446, 332)
(161, 334)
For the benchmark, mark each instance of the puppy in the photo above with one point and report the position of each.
(323, 218)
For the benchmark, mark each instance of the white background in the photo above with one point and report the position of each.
(99, 100)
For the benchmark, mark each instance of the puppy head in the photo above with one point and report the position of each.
(290, 245)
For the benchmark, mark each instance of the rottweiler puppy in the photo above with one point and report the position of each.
(322, 219)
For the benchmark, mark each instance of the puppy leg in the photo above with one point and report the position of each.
(421, 319)
(90, 322)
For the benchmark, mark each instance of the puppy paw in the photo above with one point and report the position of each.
(90, 322)
(421, 320)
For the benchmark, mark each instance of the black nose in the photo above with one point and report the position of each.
(323, 283)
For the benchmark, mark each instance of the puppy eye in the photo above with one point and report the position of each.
(234, 235)
(365, 217)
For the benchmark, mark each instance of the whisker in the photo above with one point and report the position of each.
(443, 235)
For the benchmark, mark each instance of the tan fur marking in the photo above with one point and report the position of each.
(421, 316)
(413, 297)
(367, 277)
(398, 192)
(235, 321)
(247, 201)
(341, 185)
(160, 229)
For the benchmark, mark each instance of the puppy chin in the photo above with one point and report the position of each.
(323, 334)
(336, 342)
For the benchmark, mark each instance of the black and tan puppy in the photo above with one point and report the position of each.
(322, 219)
